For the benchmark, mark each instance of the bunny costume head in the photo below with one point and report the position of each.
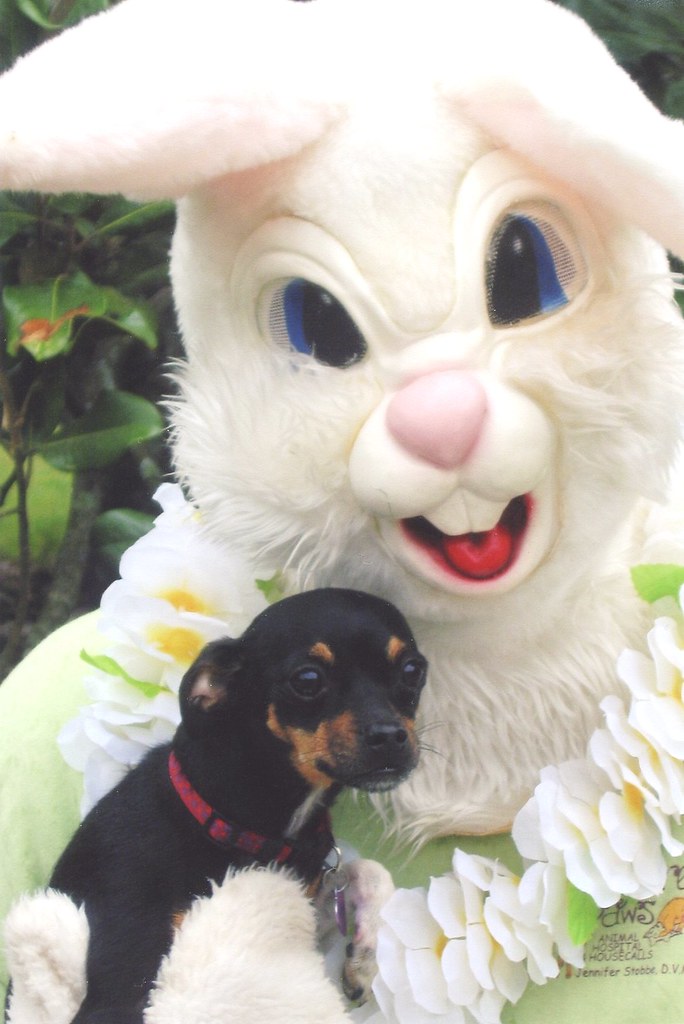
(432, 349)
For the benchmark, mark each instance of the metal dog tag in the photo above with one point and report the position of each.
(340, 883)
(340, 902)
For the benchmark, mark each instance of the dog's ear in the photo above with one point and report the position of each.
(207, 688)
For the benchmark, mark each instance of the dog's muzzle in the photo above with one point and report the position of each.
(386, 753)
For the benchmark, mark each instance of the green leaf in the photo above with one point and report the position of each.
(46, 408)
(55, 14)
(35, 13)
(71, 11)
(40, 317)
(121, 215)
(117, 421)
(14, 221)
(679, 297)
(17, 35)
(11, 201)
(142, 264)
(271, 589)
(84, 227)
(132, 316)
(655, 581)
(116, 530)
(112, 668)
(69, 204)
(582, 915)
(674, 99)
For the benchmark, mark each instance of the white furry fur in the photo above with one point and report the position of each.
(374, 146)
(211, 975)
(46, 938)
(284, 984)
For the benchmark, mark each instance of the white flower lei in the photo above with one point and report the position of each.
(594, 831)
(178, 590)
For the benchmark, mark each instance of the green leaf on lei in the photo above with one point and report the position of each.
(582, 915)
(271, 589)
(655, 581)
(112, 668)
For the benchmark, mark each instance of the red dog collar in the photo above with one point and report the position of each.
(262, 848)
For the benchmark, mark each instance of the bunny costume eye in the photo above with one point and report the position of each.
(533, 267)
(312, 321)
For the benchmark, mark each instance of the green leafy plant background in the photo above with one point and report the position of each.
(87, 329)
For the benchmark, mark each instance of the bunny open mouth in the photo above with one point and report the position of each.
(474, 556)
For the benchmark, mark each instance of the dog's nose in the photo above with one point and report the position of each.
(386, 734)
(439, 417)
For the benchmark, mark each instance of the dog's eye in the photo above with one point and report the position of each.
(312, 321)
(413, 672)
(307, 682)
(533, 268)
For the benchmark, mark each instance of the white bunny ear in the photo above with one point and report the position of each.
(552, 92)
(154, 97)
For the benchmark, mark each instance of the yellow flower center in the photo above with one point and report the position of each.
(182, 645)
(634, 799)
(441, 945)
(184, 601)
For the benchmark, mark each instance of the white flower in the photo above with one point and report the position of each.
(461, 949)
(493, 945)
(470, 942)
(657, 708)
(410, 984)
(607, 840)
(543, 892)
(621, 749)
(650, 790)
(178, 590)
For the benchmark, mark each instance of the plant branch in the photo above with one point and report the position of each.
(72, 558)
(6, 488)
(13, 421)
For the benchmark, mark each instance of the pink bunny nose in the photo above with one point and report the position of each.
(439, 417)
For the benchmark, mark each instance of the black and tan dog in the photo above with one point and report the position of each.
(319, 693)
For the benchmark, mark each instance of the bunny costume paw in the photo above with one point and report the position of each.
(248, 953)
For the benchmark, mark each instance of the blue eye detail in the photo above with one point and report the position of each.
(308, 682)
(312, 321)
(531, 271)
(413, 673)
(293, 311)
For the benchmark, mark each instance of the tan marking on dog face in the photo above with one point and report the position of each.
(331, 741)
(322, 651)
(342, 735)
(410, 726)
(274, 725)
(394, 647)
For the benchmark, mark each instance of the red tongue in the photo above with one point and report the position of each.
(479, 555)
